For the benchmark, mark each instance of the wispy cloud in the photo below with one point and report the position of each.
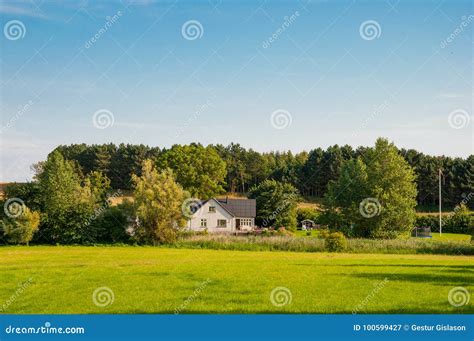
(450, 95)
(26, 10)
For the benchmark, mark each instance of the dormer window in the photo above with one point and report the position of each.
(212, 209)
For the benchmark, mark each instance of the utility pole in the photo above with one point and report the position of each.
(439, 198)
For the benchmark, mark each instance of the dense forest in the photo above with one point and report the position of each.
(234, 168)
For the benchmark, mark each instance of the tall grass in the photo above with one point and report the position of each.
(289, 243)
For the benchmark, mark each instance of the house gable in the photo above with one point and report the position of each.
(211, 216)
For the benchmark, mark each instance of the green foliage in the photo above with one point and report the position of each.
(324, 233)
(28, 192)
(20, 230)
(111, 225)
(273, 242)
(158, 202)
(199, 170)
(59, 184)
(118, 163)
(276, 204)
(99, 184)
(374, 197)
(303, 213)
(335, 242)
(461, 221)
(67, 206)
(309, 172)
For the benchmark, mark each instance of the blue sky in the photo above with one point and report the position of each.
(407, 77)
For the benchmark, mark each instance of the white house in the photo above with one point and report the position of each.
(224, 215)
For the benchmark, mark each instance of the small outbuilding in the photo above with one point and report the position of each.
(307, 224)
(421, 232)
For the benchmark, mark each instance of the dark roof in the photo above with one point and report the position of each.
(241, 208)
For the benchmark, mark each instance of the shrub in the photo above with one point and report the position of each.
(308, 233)
(110, 226)
(459, 222)
(20, 230)
(70, 226)
(283, 232)
(324, 233)
(335, 242)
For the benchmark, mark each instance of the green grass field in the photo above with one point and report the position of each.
(452, 237)
(161, 280)
(456, 237)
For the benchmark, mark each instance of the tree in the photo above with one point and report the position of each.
(276, 204)
(158, 202)
(199, 170)
(20, 230)
(65, 204)
(99, 185)
(375, 194)
(342, 201)
(310, 173)
(28, 192)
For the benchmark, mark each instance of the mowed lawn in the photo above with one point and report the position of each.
(161, 280)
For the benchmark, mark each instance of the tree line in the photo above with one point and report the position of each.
(216, 169)
(69, 202)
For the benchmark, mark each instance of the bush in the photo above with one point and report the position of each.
(110, 226)
(308, 233)
(283, 232)
(459, 222)
(70, 226)
(20, 230)
(324, 233)
(268, 232)
(335, 242)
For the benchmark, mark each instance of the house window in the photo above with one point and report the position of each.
(212, 209)
(203, 222)
(245, 222)
(221, 223)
